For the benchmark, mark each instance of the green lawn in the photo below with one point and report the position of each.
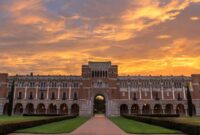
(4, 119)
(64, 126)
(131, 126)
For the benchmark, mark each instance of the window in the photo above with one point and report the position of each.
(179, 96)
(20, 95)
(64, 85)
(53, 84)
(156, 96)
(177, 85)
(52, 95)
(32, 84)
(64, 96)
(31, 95)
(75, 96)
(42, 85)
(166, 84)
(145, 84)
(42, 95)
(134, 96)
(156, 84)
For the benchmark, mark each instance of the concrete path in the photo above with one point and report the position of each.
(98, 125)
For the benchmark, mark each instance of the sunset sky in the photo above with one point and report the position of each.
(157, 37)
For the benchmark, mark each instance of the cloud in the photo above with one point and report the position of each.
(57, 37)
(194, 18)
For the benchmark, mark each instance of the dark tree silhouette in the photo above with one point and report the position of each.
(189, 102)
(10, 98)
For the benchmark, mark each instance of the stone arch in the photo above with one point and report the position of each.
(63, 109)
(123, 109)
(18, 109)
(169, 109)
(135, 109)
(41, 109)
(29, 108)
(52, 109)
(75, 109)
(5, 108)
(104, 94)
(146, 109)
(180, 109)
(157, 109)
(99, 104)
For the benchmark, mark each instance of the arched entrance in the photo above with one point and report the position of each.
(75, 109)
(157, 109)
(169, 109)
(52, 109)
(134, 109)
(18, 109)
(41, 109)
(146, 109)
(180, 109)
(29, 108)
(123, 109)
(99, 104)
(63, 109)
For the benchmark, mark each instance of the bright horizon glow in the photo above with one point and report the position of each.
(142, 37)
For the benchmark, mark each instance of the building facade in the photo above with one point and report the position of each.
(37, 94)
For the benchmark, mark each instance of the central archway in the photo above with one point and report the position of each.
(99, 104)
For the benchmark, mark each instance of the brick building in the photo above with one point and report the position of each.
(118, 94)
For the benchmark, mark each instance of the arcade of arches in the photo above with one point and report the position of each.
(42, 109)
(98, 107)
(156, 109)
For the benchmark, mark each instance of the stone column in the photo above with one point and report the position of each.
(173, 94)
(151, 93)
(59, 92)
(36, 94)
(184, 96)
(70, 89)
(25, 93)
(162, 95)
(129, 93)
(47, 92)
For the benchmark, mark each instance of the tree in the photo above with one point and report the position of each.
(10, 98)
(189, 102)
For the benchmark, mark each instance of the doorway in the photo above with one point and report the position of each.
(99, 104)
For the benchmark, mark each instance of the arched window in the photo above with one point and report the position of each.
(20, 95)
(134, 96)
(179, 96)
(31, 95)
(64, 96)
(42, 95)
(52, 95)
(75, 96)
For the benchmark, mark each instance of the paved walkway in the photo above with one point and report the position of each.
(98, 125)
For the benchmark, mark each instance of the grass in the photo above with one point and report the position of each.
(65, 126)
(131, 126)
(4, 119)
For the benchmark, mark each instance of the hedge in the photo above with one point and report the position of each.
(11, 127)
(186, 128)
